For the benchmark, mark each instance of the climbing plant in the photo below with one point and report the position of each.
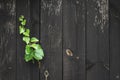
(33, 50)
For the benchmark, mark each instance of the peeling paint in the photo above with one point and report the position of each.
(51, 29)
(77, 2)
(117, 76)
(102, 18)
(12, 11)
(53, 7)
(53, 33)
(10, 27)
(11, 7)
(58, 8)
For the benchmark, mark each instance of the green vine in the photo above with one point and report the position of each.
(33, 50)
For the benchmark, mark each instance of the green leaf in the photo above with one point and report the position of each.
(21, 29)
(35, 46)
(21, 18)
(27, 32)
(28, 53)
(28, 57)
(26, 39)
(23, 22)
(32, 50)
(28, 49)
(34, 39)
(38, 54)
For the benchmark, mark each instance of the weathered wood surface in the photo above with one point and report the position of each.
(7, 40)
(79, 25)
(30, 9)
(74, 39)
(97, 40)
(51, 38)
(23, 69)
(114, 40)
(35, 31)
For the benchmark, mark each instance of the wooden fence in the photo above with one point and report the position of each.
(89, 28)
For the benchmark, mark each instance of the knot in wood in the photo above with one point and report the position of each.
(69, 52)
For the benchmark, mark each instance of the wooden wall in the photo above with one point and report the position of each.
(88, 28)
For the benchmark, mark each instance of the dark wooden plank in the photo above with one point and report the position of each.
(51, 38)
(7, 40)
(74, 39)
(30, 9)
(114, 40)
(97, 40)
(34, 27)
(23, 69)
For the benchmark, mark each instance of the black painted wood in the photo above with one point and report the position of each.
(23, 68)
(51, 38)
(30, 9)
(97, 40)
(114, 40)
(7, 40)
(74, 39)
(34, 27)
(79, 25)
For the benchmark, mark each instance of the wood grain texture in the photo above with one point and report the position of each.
(97, 40)
(23, 69)
(30, 9)
(7, 40)
(74, 39)
(114, 40)
(35, 30)
(51, 38)
(81, 26)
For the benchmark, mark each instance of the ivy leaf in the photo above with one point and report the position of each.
(21, 29)
(28, 53)
(36, 46)
(32, 50)
(27, 32)
(26, 39)
(21, 18)
(34, 39)
(23, 22)
(28, 57)
(28, 49)
(38, 54)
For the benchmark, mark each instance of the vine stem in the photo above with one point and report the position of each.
(39, 64)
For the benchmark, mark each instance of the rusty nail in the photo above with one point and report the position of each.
(77, 2)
